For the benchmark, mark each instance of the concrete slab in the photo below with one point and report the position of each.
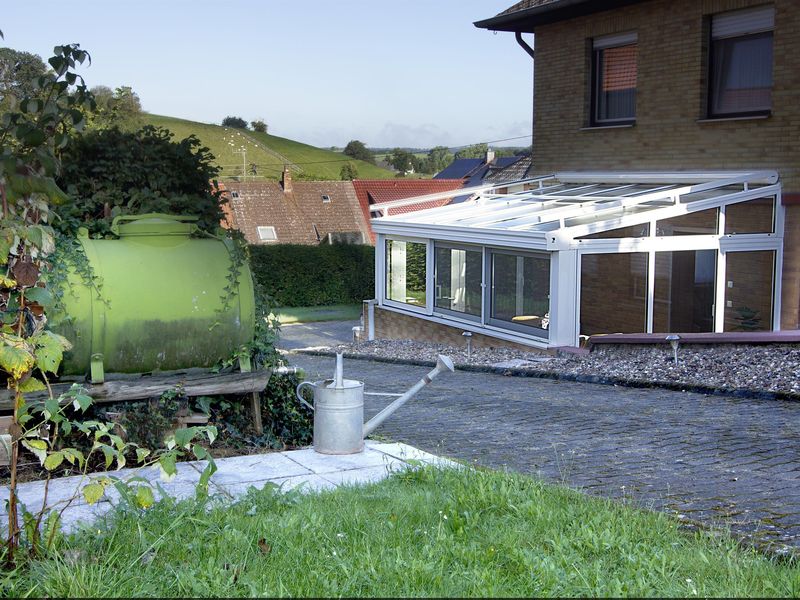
(330, 463)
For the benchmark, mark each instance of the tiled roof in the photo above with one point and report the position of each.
(525, 4)
(515, 171)
(377, 191)
(300, 216)
(526, 15)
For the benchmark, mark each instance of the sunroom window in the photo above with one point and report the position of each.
(521, 291)
(406, 272)
(459, 274)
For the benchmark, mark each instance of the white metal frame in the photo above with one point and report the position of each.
(563, 208)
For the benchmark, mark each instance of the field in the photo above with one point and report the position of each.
(268, 152)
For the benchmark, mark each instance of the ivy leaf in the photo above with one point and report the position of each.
(38, 447)
(144, 497)
(93, 492)
(16, 361)
(41, 296)
(53, 460)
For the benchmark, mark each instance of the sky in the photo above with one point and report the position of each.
(412, 73)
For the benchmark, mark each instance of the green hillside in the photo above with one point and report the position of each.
(268, 152)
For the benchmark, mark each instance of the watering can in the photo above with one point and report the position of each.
(339, 426)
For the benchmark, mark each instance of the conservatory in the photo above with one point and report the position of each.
(584, 253)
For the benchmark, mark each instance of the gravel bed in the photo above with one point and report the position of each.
(773, 369)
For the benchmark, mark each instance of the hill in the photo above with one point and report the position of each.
(268, 152)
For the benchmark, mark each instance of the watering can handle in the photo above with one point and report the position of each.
(299, 397)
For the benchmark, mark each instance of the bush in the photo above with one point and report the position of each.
(237, 122)
(259, 125)
(296, 275)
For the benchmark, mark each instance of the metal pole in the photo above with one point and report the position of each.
(443, 364)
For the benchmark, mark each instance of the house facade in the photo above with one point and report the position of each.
(711, 84)
(663, 196)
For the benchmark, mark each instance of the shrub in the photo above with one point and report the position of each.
(296, 275)
(259, 125)
(237, 122)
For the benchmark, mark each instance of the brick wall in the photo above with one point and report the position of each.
(390, 325)
(669, 105)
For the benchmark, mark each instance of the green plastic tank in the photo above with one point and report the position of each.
(162, 301)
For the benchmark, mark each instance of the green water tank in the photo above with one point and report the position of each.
(162, 301)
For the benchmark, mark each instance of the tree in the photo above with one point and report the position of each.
(402, 160)
(237, 122)
(111, 172)
(474, 151)
(259, 125)
(348, 172)
(115, 108)
(438, 158)
(359, 151)
(18, 72)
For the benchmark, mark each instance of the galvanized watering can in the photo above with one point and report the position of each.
(339, 426)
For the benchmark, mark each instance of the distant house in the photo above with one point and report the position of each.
(475, 171)
(664, 191)
(374, 194)
(295, 212)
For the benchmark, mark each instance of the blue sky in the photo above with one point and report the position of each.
(400, 73)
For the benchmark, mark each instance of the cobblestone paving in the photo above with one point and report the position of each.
(718, 460)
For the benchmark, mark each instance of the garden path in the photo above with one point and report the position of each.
(716, 460)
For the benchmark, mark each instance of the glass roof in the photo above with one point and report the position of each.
(581, 202)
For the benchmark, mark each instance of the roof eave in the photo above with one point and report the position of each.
(528, 19)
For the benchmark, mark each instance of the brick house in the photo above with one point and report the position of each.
(295, 212)
(665, 176)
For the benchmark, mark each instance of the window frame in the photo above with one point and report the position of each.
(488, 275)
(386, 300)
(597, 46)
(264, 240)
(467, 248)
(712, 76)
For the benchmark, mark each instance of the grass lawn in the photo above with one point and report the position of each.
(425, 532)
(309, 314)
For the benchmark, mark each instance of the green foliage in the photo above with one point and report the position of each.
(297, 275)
(474, 151)
(438, 158)
(259, 125)
(237, 122)
(112, 172)
(403, 160)
(290, 422)
(115, 108)
(348, 172)
(18, 74)
(147, 423)
(358, 150)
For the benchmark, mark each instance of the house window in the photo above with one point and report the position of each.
(614, 71)
(458, 279)
(325, 198)
(520, 297)
(234, 194)
(406, 272)
(740, 63)
(267, 234)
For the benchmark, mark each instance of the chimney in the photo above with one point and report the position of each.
(286, 180)
(489, 156)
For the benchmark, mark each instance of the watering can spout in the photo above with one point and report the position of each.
(443, 363)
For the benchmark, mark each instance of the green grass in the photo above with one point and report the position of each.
(427, 532)
(310, 314)
(269, 152)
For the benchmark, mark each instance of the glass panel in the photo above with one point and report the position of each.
(458, 280)
(616, 83)
(755, 216)
(749, 290)
(632, 231)
(683, 301)
(741, 74)
(703, 222)
(405, 272)
(521, 290)
(613, 293)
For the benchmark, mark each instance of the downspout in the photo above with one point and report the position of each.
(531, 52)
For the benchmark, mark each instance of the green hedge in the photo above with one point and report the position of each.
(297, 275)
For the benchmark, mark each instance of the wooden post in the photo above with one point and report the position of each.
(255, 410)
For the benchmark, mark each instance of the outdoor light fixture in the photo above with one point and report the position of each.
(468, 336)
(674, 340)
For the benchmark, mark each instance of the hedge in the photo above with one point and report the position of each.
(297, 275)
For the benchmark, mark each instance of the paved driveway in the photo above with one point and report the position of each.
(720, 460)
(325, 333)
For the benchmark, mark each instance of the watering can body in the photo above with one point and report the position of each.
(338, 416)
